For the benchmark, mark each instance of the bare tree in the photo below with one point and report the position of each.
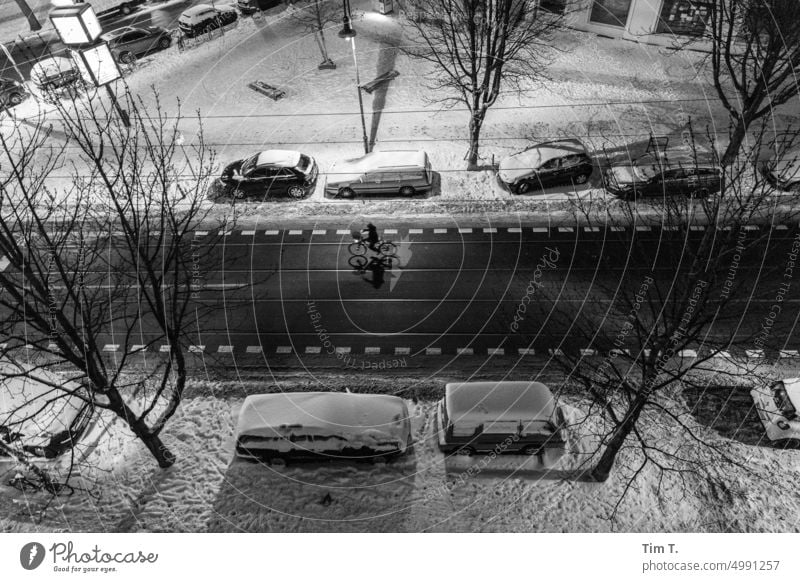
(97, 228)
(685, 281)
(478, 49)
(315, 16)
(755, 54)
(33, 22)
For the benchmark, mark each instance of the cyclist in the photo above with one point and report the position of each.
(370, 235)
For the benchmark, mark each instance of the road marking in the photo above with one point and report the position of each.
(696, 228)
(284, 350)
(526, 351)
(641, 228)
(319, 232)
(111, 347)
(399, 351)
(496, 351)
(433, 351)
(197, 349)
(588, 352)
(253, 349)
(591, 229)
(294, 232)
(439, 231)
(248, 233)
(200, 233)
(687, 354)
(556, 352)
(727, 227)
(617, 229)
(138, 348)
(52, 347)
(489, 230)
(4, 263)
(646, 353)
(313, 349)
(225, 349)
(390, 231)
(271, 232)
(755, 354)
(342, 231)
(540, 229)
(514, 229)
(465, 351)
(464, 230)
(781, 227)
(372, 350)
(565, 229)
(723, 354)
(750, 227)
(225, 232)
(3, 346)
(670, 227)
(343, 350)
(164, 348)
(28, 346)
(414, 231)
(787, 354)
(614, 352)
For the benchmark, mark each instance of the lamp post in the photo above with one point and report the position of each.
(349, 33)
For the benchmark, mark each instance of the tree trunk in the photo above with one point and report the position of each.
(475, 123)
(737, 137)
(33, 22)
(604, 466)
(322, 47)
(163, 456)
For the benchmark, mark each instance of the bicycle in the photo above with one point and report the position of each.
(360, 262)
(359, 247)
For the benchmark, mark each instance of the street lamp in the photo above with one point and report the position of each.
(348, 33)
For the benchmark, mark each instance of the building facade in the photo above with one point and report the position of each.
(653, 21)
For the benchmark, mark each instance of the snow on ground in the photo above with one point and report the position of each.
(209, 490)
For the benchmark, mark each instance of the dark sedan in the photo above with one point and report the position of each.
(12, 93)
(671, 174)
(546, 164)
(268, 174)
(130, 42)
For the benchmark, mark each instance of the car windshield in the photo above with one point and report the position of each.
(782, 401)
(646, 171)
(304, 163)
(249, 164)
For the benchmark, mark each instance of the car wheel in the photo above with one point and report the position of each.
(15, 99)
(164, 42)
(277, 462)
(581, 178)
(125, 9)
(127, 58)
(465, 452)
(296, 192)
(346, 193)
(531, 450)
(407, 191)
(785, 444)
(523, 187)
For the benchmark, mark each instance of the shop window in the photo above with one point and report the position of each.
(684, 17)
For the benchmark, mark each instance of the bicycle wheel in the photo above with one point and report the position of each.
(358, 262)
(357, 248)
(387, 248)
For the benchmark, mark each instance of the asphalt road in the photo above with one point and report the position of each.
(448, 291)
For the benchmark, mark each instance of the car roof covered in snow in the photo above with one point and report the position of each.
(384, 159)
(197, 9)
(321, 413)
(498, 401)
(523, 163)
(280, 158)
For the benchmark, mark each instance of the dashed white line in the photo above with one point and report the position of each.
(617, 229)
(372, 350)
(414, 231)
(642, 228)
(588, 352)
(197, 349)
(400, 351)
(781, 227)
(343, 350)
(556, 352)
(526, 351)
(248, 233)
(253, 349)
(313, 349)
(591, 229)
(111, 347)
(4, 263)
(514, 229)
(687, 353)
(464, 230)
(755, 354)
(200, 233)
(225, 349)
(465, 351)
(164, 348)
(295, 232)
(225, 232)
(540, 229)
(439, 231)
(318, 232)
(788, 354)
(488, 230)
(271, 232)
(565, 229)
(750, 227)
(697, 228)
(138, 348)
(342, 231)
(496, 351)
(390, 231)
(284, 350)
(433, 351)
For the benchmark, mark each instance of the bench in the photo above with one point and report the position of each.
(372, 85)
(272, 92)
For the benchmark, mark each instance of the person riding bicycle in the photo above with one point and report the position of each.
(370, 235)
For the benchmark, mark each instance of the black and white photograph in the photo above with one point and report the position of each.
(385, 267)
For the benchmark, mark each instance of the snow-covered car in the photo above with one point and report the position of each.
(204, 18)
(546, 164)
(387, 173)
(268, 174)
(129, 42)
(37, 414)
(55, 73)
(251, 6)
(667, 174)
(777, 406)
(783, 170)
(12, 93)
(291, 426)
(500, 417)
(103, 7)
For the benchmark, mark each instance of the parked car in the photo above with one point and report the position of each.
(130, 42)
(668, 174)
(251, 6)
(546, 164)
(290, 426)
(269, 174)
(36, 417)
(55, 73)
(389, 173)
(105, 7)
(777, 406)
(12, 93)
(204, 18)
(511, 417)
(782, 171)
